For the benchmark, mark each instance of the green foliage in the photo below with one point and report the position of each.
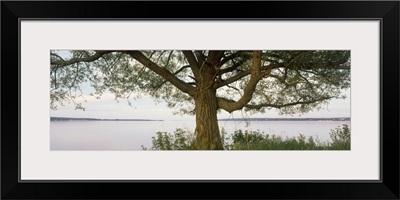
(303, 80)
(224, 138)
(341, 137)
(180, 140)
(255, 140)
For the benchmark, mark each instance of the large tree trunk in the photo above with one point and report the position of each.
(207, 130)
(206, 105)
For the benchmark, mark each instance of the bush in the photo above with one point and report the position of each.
(341, 138)
(254, 140)
(180, 140)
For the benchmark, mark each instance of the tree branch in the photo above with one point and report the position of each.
(175, 73)
(167, 75)
(231, 68)
(241, 74)
(310, 65)
(94, 57)
(56, 55)
(194, 65)
(248, 91)
(200, 57)
(169, 58)
(259, 106)
(214, 57)
(291, 64)
(226, 104)
(232, 79)
(181, 69)
(306, 80)
(230, 57)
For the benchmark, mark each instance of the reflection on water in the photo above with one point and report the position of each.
(130, 135)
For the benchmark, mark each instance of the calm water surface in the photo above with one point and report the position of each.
(130, 135)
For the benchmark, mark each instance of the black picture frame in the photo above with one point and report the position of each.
(386, 11)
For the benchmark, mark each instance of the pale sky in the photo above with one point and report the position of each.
(146, 108)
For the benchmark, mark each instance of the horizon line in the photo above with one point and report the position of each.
(92, 118)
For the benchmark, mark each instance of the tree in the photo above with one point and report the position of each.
(204, 82)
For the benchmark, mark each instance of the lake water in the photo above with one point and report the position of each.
(130, 135)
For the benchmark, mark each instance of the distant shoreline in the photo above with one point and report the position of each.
(95, 119)
(236, 119)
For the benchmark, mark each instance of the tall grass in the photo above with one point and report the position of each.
(254, 140)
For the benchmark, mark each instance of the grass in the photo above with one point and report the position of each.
(254, 140)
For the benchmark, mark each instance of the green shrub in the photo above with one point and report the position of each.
(254, 140)
(341, 138)
(180, 140)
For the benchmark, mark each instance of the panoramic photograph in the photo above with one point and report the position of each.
(151, 100)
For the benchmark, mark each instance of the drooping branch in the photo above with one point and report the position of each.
(167, 75)
(94, 57)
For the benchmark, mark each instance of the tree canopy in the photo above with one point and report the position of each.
(293, 81)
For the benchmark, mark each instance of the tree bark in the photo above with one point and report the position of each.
(206, 105)
(207, 129)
